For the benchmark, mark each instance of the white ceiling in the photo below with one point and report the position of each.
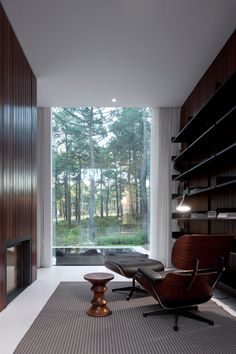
(143, 52)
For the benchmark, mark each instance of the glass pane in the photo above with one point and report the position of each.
(11, 269)
(100, 181)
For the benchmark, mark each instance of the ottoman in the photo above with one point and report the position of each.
(127, 264)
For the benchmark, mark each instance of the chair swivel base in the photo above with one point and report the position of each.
(180, 312)
(131, 289)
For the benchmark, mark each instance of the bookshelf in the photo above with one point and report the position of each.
(206, 167)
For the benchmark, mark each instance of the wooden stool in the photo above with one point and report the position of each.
(98, 280)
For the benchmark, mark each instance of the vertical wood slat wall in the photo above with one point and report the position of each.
(219, 71)
(17, 149)
(2, 240)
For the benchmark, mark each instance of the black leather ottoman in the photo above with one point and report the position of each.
(127, 264)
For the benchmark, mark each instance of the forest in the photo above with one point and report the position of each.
(100, 175)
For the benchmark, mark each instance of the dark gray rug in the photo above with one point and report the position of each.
(62, 327)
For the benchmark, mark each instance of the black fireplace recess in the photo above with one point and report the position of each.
(18, 266)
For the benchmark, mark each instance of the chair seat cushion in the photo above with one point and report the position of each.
(127, 263)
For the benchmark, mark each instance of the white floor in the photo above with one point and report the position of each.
(16, 319)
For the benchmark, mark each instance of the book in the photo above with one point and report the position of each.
(229, 215)
(211, 214)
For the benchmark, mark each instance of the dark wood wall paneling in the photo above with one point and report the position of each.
(220, 70)
(18, 149)
(2, 240)
(33, 177)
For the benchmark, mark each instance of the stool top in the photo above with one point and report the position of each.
(98, 276)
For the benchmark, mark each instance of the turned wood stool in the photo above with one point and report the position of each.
(98, 280)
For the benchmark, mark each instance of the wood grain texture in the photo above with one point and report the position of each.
(2, 241)
(207, 248)
(17, 148)
(197, 262)
(178, 290)
(220, 70)
(34, 178)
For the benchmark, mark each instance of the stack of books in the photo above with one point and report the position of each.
(199, 215)
(211, 214)
(227, 215)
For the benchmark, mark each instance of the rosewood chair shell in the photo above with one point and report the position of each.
(199, 261)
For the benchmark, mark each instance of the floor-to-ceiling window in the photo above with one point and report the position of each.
(100, 182)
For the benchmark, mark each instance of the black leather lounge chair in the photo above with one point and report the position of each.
(199, 261)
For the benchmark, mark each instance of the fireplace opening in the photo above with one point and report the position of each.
(18, 270)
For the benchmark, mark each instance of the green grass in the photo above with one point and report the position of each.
(109, 231)
(123, 239)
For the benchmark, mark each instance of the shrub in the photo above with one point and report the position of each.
(124, 239)
(107, 233)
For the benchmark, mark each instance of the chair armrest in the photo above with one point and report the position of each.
(150, 274)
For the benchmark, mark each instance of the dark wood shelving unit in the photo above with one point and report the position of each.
(212, 109)
(204, 218)
(216, 187)
(208, 137)
(195, 169)
(204, 190)
(207, 164)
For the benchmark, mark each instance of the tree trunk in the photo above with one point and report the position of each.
(120, 194)
(143, 180)
(78, 197)
(76, 201)
(117, 196)
(64, 210)
(101, 193)
(60, 209)
(55, 198)
(67, 189)
(69, 204)
(107, 198)
(140, 199)
(136, 195)
(66, 192)
(91, 230)
(131, 211)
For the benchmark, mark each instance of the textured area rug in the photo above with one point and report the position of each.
(62, 327)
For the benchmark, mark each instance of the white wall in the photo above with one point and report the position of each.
(44, 212)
